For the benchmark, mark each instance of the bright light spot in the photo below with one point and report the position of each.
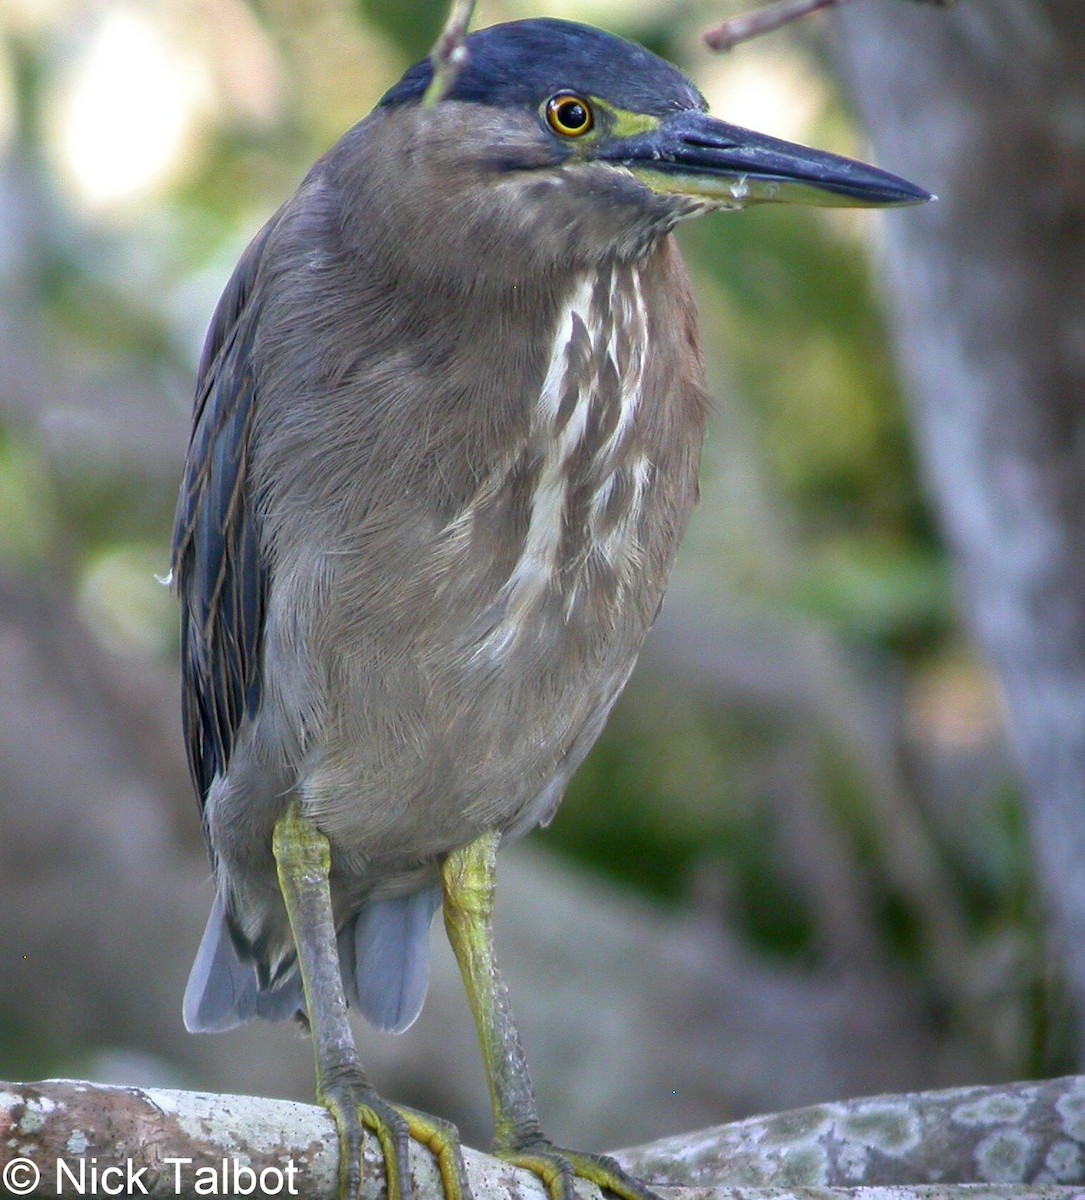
(125, 114)
(608, 14)
(772, 93)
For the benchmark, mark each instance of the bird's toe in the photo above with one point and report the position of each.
(356, 1107)
(442, 1139)
(559, 1168)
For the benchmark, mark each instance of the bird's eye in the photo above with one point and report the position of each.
(568, 114)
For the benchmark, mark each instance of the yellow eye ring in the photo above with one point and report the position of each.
(569, 114)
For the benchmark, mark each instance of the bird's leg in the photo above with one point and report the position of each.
(468, 876)
(303, 861)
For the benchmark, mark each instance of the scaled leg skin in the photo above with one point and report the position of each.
(468, 877)
(303, 860)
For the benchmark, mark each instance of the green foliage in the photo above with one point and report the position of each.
(669, 796)
(26, 505)
(893, 594)
(413, 27)
(805, 340)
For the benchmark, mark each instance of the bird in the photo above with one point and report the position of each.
(445, 442)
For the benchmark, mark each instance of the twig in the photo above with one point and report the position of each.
(734, 30)
(449, 55)
(729, 33)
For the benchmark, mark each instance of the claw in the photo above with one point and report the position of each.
(339, 1101)
(559, 1168)
(356, 1107)
(394, 1136)
(552, 1168)
(442, 1139)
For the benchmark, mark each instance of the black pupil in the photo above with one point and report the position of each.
(572, 114)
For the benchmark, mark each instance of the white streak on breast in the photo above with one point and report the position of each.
(631, 319)
(620, 543)
(535, 568)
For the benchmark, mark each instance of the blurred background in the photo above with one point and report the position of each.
(832, 841)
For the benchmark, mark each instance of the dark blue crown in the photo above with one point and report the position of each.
(521, 63)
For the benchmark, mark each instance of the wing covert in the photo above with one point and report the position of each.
(217, 562)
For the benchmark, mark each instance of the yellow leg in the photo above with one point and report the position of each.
(303, 862)
(469, 877)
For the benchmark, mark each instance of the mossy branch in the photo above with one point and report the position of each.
(1019, 1140)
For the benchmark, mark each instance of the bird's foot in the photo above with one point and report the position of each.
(356, 1107)
(558, 1169)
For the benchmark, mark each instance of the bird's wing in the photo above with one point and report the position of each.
(217, 564)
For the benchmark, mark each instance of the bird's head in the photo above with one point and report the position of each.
(561, 142)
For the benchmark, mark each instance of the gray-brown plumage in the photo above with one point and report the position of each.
(446, 442)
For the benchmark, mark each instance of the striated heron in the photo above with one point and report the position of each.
(446, 438)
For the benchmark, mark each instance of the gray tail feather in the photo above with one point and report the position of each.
(383, 955)
(391, 958)
(222, 991)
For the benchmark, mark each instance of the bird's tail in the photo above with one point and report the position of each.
(383, 955)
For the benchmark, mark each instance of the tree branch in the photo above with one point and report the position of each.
(728, 34)
(449, 55)
(1017, 1133)
(1022, 1140)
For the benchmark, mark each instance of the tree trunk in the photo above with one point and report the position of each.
(984, 104)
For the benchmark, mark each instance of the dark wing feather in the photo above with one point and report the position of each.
(217, 563)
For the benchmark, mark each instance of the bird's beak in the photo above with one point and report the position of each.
(692, 154)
